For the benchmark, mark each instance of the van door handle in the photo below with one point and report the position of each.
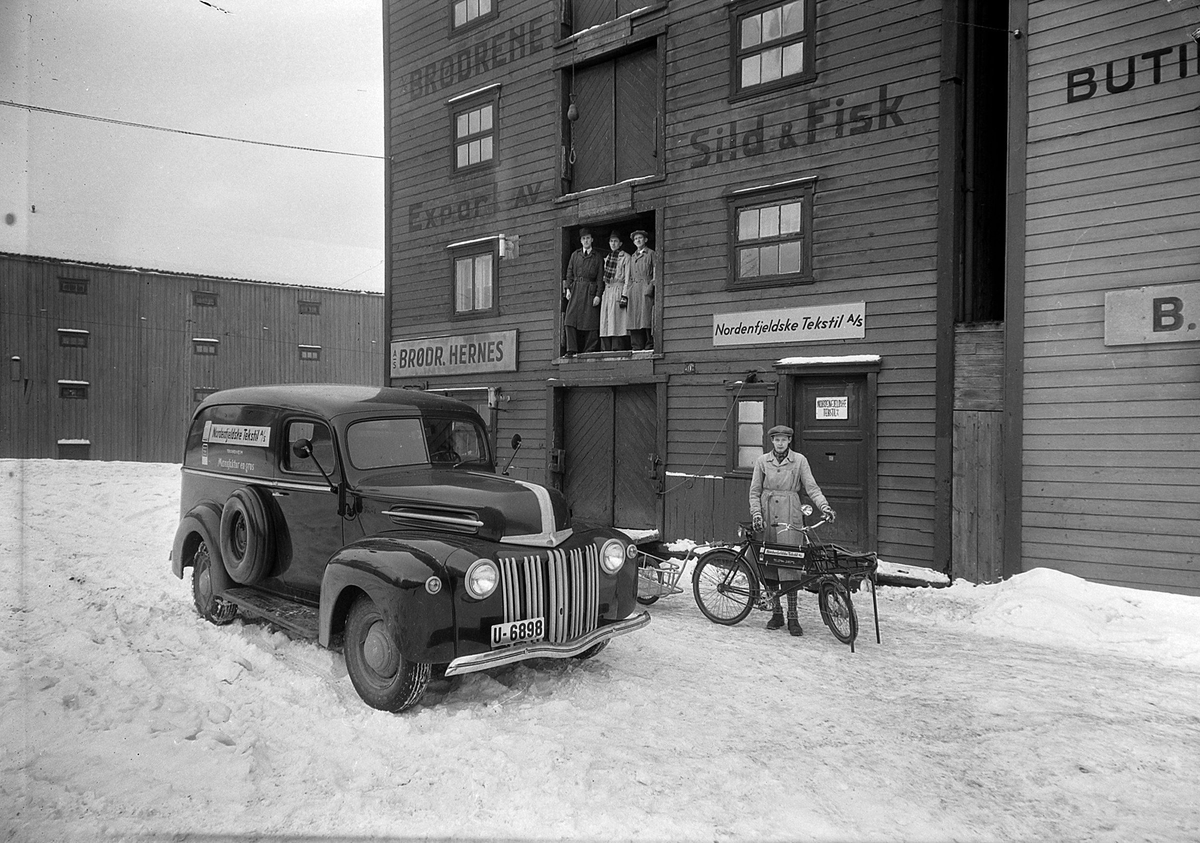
(276, 493)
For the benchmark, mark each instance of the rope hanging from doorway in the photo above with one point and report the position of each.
(572, 115)
(717, 440)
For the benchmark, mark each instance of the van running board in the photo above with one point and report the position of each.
(294, 617)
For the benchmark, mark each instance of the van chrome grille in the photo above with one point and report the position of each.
(561, 586)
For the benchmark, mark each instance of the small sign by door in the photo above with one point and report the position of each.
(834, 407)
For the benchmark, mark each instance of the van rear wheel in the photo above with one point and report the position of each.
(212, 608)
(383, 677)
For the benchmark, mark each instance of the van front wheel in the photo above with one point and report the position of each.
(381, 675)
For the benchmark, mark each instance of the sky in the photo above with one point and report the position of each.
(1043, 708)
(293, 73)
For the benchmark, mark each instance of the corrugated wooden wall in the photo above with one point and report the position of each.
(1111, 433)
(140, 364)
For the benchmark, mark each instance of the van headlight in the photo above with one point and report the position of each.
(482, 578)
(612, 556)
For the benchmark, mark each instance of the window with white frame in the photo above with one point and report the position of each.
(771, 240)
(474, 266)
(772, 45)
(752, 409)
(467, 12)
(473, 122)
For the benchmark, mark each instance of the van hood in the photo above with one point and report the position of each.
(477, 503)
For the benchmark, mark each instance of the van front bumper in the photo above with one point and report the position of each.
(545, 649)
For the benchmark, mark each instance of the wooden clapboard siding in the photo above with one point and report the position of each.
(140, 364)
(1110, 478)
(977, 484)
(874, 227)
(420, 272)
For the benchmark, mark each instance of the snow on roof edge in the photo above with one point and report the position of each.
(812, 361)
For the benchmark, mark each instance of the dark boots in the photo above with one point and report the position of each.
(793, 623)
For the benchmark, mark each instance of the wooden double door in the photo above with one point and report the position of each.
(611, 466)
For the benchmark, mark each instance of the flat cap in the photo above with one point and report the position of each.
(780, 430)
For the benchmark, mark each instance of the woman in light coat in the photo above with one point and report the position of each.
(614, 301)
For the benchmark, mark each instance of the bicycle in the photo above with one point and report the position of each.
(729, 582)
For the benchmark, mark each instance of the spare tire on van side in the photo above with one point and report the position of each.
(247, 542)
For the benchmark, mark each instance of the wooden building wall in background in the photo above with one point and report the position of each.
(1111, 443)
(109, 361)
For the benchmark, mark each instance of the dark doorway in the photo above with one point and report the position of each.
(833, 419)
(986, 162)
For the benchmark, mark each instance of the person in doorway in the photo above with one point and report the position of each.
(779, 475)
(614, 300)
(643, 278)
(581, 321)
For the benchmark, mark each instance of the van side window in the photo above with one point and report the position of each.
(322, 447)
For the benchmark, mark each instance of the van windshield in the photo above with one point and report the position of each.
(455, 441)
(394, 443)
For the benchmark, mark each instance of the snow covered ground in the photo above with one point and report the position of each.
(1043, 708)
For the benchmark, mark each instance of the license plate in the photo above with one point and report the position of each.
(517, 632)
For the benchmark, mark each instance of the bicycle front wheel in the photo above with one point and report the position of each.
(724, 587)
(837, 610)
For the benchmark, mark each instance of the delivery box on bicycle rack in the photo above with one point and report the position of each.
(785, 562)
(789, 563)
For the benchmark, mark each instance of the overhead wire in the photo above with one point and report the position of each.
(63, 113)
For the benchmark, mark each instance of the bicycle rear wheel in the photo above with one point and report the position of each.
(837, 610)
(724, 587)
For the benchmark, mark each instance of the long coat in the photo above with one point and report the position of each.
(643, 278)
(775, 494)
(583, 280)
(614, 318)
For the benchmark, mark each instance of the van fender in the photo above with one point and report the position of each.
(408, 585)
(201, 524)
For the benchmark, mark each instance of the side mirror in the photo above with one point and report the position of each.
(302, 448)
(516, 446)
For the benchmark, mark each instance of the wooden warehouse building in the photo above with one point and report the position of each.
(108, 362)
(953, 244)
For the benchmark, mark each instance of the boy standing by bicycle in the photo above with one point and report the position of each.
(779, 475)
